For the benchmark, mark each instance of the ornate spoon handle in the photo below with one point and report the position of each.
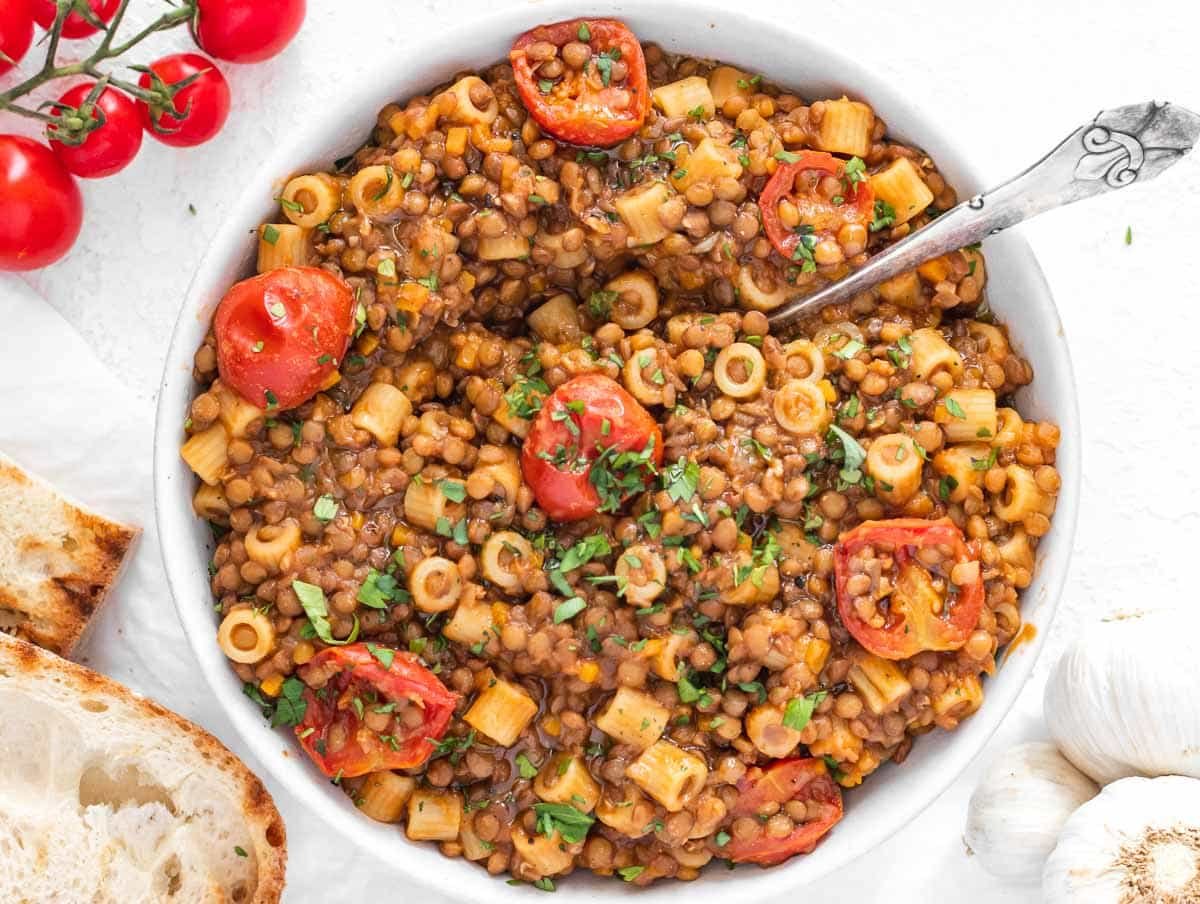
(1118, 148)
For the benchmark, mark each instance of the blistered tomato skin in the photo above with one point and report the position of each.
(282, 333)
(585, 105)
(578, 422)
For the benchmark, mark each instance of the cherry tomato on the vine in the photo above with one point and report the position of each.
(76, 26)
(246, 31)
(41, 209)
(106, 149)
(16, 32)
(197, 111)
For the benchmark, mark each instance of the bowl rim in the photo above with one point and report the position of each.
(420, 862)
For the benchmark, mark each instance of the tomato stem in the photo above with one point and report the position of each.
(105, 50)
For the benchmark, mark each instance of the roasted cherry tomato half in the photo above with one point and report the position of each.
(601, 94)
(815, 199)
(282, 333)
(246, 31)
(591, 447)
(76, 26)
(41, 209)
(16, 32)
(927, 596)
(356, 686)
(197, 111)
(110, 147)
(762, 792)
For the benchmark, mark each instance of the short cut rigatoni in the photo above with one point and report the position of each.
(501, 711)
(669, 774)
(434, 815)
(633, 717)
(281, 245)
(901, 187)
(846, 127)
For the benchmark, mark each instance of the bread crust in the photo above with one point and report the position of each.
(22, 666)
(58, 561)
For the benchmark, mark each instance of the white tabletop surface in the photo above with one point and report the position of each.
(1010, 79)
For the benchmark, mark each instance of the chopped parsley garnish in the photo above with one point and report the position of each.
(681, 479)
(946, 486)
(568, 609)
(599, 303)
(571, 824)
(584, 33)
(800, 710)
(386, 268)
(312, 598)
(525, 766)
(288, 709)
(270, 234)
(849, 350)
(853, 455)
(629, 873)
(955, 409)
(697, 112)
(387, 185)
(616, 475)
(885, 215)
(786, 156)
(380, 589)
(454, 490)
(325, 509)
(385, 656)
(855, 171)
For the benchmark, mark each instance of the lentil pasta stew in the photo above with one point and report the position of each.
(532, 532)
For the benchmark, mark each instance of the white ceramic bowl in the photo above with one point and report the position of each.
(1017, 290)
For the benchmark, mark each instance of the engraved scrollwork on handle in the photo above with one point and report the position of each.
(1112, 156)
(1119, 144)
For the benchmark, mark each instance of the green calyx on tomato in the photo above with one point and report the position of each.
(599, 104)
(916, 615)
(591, 447)
(798, 180)
(762, 790)
(364, 678)
(281, 334)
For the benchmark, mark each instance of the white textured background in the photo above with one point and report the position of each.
(1009, 79)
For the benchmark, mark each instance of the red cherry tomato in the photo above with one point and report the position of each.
(247, 31)
(353, 674)
(802, 183)
(197, 112)
(107, 149)
(280, 334)
(916, 615)
(763, 791)
(591, 447)
(41, 209)
(76, 26)
(587, 105)
(16, 32)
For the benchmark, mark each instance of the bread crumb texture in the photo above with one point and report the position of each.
(108, 797)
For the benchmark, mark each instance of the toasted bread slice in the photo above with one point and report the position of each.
(108, 797)
(58, 561)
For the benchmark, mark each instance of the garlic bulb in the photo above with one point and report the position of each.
(1137, 843)
(1122, 700)
(1021, 803)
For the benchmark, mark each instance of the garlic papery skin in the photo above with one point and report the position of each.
(1122, 700)
(1019, 807)
(1137, 843)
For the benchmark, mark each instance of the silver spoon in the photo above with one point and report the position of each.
(1117, 148)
